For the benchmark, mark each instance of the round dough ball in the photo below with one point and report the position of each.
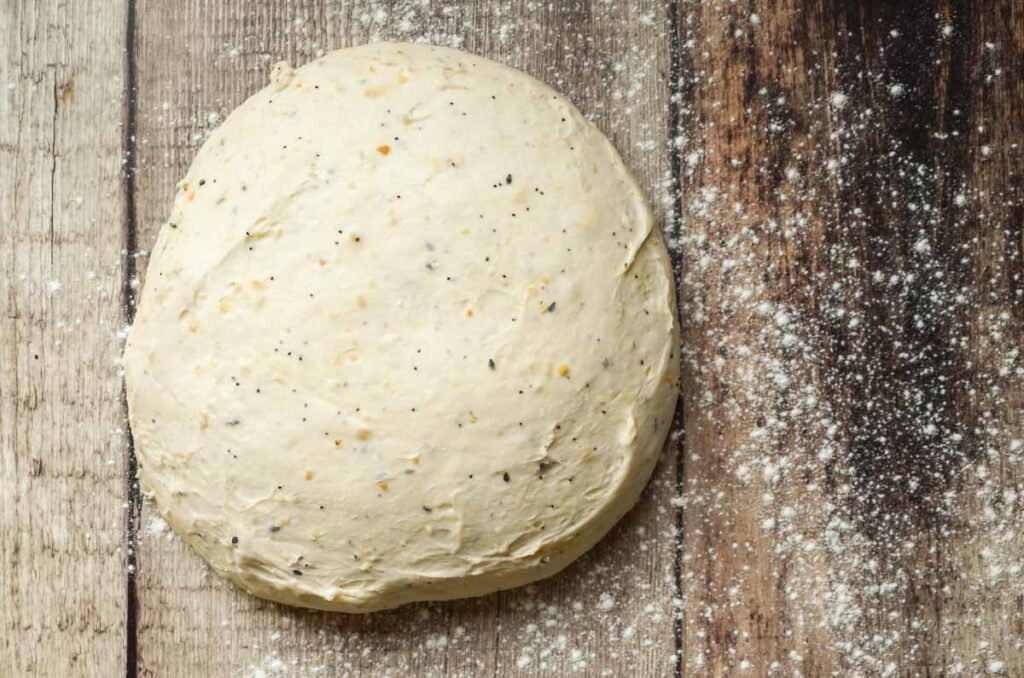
(407, 335)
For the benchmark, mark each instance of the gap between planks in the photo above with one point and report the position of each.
(130, 238)
(675, 254)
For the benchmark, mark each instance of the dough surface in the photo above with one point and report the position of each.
(407, 335)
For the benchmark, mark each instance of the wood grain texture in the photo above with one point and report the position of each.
(841, 182)
(62, 477)
(852, 306)
(610, 613)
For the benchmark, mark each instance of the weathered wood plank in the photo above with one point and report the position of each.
(852, 307)
(608, 614)
(62, 479)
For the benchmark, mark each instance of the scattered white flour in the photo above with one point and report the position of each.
(156, 526)
(796, 490)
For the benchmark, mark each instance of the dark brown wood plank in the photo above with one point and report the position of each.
(609, 614)
(852, 308)
(62, 476)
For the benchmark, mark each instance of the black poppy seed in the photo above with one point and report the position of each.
(234, 540)
(506, 477)
(297, 572)
(490, 363)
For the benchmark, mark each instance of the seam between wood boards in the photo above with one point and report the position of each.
(675, 228)
(129, 238)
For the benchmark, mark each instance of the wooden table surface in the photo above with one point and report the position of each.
(840, 183)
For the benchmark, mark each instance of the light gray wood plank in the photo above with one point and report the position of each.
(612, 612)
(62, 472)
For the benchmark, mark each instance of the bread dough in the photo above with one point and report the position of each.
(407, 335)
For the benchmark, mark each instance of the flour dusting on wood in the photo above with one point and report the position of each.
(840, 188)
(851, 298)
